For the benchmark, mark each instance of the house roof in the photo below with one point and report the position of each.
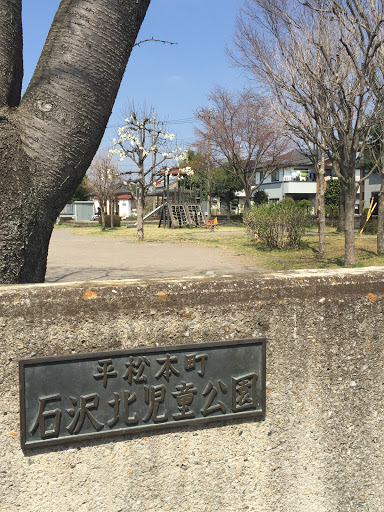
(124, 192)
(293, 158)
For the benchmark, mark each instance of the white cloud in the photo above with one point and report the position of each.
(175, 78)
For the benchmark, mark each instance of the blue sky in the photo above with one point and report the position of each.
(174, 79)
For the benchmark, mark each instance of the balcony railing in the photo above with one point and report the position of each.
(308, 177)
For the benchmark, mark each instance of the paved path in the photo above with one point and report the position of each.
(85, 258)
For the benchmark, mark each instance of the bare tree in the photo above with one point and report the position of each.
(309, 62)
(364, 20)
(317, 157)
(242, 136)
(106, 180)
(143, 136)
(49, 137)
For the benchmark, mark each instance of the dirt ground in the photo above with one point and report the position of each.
(84, 258)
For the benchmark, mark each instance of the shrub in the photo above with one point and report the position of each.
(331, 211)
(371, 227)
(277, 225)
(116, 221)
(288, 200)
(260, 197)
(332, 194)
(305, 204)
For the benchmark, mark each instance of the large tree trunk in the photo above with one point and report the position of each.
(248, 196)
(49, 140)
(321, 207)
(350, 197)
(26, 223)
(380, 218)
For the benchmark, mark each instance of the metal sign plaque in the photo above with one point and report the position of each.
(82, 396)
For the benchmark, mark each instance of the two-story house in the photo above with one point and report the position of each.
(294, 178)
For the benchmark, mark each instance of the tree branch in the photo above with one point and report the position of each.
(11, 53)
(152, 40)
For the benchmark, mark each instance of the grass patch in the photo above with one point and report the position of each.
(239, 244)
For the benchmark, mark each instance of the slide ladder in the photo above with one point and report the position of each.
(179, 215)
(196, 214)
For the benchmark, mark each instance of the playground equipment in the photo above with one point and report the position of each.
(212, 224)
(369, 214)
(180, 207)
(146, 217)
(181, 215)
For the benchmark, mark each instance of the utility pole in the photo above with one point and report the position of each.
(153, 144)
(209, 161)
(210, 111)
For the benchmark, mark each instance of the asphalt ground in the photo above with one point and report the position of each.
(73, 258)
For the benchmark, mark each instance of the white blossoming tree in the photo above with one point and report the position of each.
(141, 137)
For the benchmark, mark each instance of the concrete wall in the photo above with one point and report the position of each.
(320, 447)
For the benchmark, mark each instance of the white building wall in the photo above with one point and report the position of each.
(125, 207)
(274, 191)
(372, 184)
(299, 187)
(287, 181)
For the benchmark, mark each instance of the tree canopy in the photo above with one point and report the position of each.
(320, 62)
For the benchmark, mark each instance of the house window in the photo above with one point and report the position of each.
(259, 177)
(275, 176)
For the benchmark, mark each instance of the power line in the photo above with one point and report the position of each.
(186, 120)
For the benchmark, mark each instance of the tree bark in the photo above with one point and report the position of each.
(102, 218)
(361, 195)
(248, 195)
(48, 141)
(11, 53)
(350, 252)
(111, 203)
(229, 208)
(380, 218)
(209, 205)
(25, 222)
(140, 215)
(321, 206)
(341, 218)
